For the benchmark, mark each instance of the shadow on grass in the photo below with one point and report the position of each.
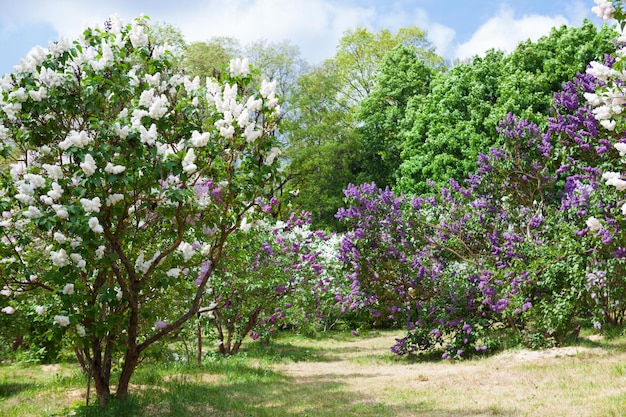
(8, 389)
(281, 352)
(617, 343)
(267, 396)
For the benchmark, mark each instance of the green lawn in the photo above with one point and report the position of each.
(342, 375)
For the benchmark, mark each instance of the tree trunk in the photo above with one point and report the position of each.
(101, 377)
(131, 357)
(199, 327)
(131, 360)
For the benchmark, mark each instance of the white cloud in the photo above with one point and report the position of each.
(441, 36)
(504, 32)
(68, 17)
(577, 11)
(314, 25)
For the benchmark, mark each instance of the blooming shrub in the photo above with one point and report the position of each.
(273, 275)
(127, 179)
(515, 249)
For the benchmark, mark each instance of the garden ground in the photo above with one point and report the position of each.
(347, 376)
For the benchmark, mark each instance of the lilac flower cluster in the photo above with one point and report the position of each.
(277, 275)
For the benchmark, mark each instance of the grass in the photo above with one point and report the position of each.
(343, 375)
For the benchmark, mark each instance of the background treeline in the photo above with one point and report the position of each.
(386, 108)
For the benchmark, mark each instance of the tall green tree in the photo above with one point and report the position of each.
(445, 132)
(278, 61)
(403, 76)
(325, 150)
(323, 145)
(207, 59)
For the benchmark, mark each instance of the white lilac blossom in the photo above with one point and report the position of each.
(106, 57)
(268, 89)
(60, 211)
(59, 258)
(95, 226)
(138, 37)
(621, 148)
(146, 98)
(153, 79)
(54, 171)
(8, 310)
(18, 169)
(188, 162)
(59, 237)
(62, 321)
(133, 80)
(99, 254)
(593, 224)
(91, 206)
(114, 169)
(122, 132)
(89, 166)
(603, 9)
(227, 131)
(159, 107)
(77, 139)
(274, 152)
(19, 94)
(46, 200)
(11, 109)
(40, 310)
(114, 199)
(56, 192)
(4, 132)
(608, 124)
(38, 95)
(49, 77)
(618, 183)
(25, 198)
(141, 265)
(199, 139)
(239, 66)
(251, 133)
(33, 213)
(191, 86)
(186, 250)
(245, 226)
(174, 272)
(68, 289)
(148, 136)
(36, 180)
(80, 330)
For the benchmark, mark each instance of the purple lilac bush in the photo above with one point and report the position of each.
(507, 252)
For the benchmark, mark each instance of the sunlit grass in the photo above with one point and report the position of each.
(344, 375)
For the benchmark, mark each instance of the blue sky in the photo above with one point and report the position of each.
(458, 28)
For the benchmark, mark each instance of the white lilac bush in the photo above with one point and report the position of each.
(126, 179)
(275, 274)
